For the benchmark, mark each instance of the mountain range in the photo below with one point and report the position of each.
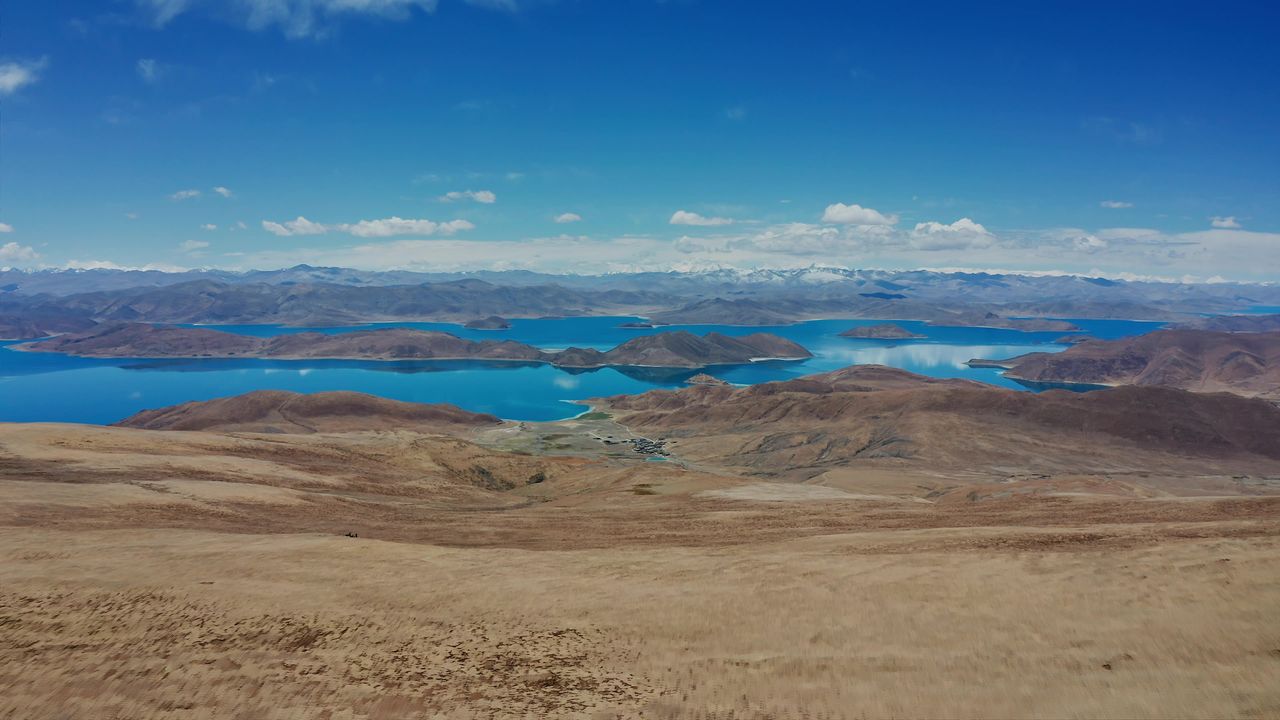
(303, 295)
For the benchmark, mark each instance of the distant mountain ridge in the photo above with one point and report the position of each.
(794, 293)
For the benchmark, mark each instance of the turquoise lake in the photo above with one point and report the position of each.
(40, 387)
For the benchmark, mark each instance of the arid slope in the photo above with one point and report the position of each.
(1198, 360)
(879, 416)
(279, 411)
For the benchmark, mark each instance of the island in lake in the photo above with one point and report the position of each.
(493, 322)
(705, 379)
(1073, 339)
(887, 331)
(678, 349)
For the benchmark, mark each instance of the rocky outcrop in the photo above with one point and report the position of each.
(704, 379)
(493, 322)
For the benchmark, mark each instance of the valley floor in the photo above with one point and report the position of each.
(202, 575)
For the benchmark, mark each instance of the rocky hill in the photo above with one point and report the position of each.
(887, 331)
(872, 415)
(1198, 360)
(493, 322)
(277, 411)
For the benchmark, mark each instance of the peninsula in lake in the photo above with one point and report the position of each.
(678, 349)
(1198, 360)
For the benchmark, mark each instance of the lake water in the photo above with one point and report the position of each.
(41, 387)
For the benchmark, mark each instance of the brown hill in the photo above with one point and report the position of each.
(493, 322)
(704, 379)
(394, 344)
(887, 331)
(674, 349)
(143, 340)
(1198, 360)
(874, 414)
(278, 411)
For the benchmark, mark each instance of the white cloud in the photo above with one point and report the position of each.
(399, 226)
(295, 18)
(131, 215)
(966, 245)
(1090, 243)
(300, 226)
(481, 196)
(16, 75)
(224, 192)
(568, 217)
(856, 215)
(387, 227)
(209, 226)
(13, 252)
(109, 265)
(963, 233)
(150, 70)
(6, 228)
(95, 265)
(1123, 131)
(192, 245)
(1115, 204)
(737, 112)
(684, 217)
(184, 195)
(1228, 223)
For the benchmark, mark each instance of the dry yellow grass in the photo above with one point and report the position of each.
(195, 575)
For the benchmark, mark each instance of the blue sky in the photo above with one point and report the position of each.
(1116, 138)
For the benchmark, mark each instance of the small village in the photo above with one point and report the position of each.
(643, 446)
